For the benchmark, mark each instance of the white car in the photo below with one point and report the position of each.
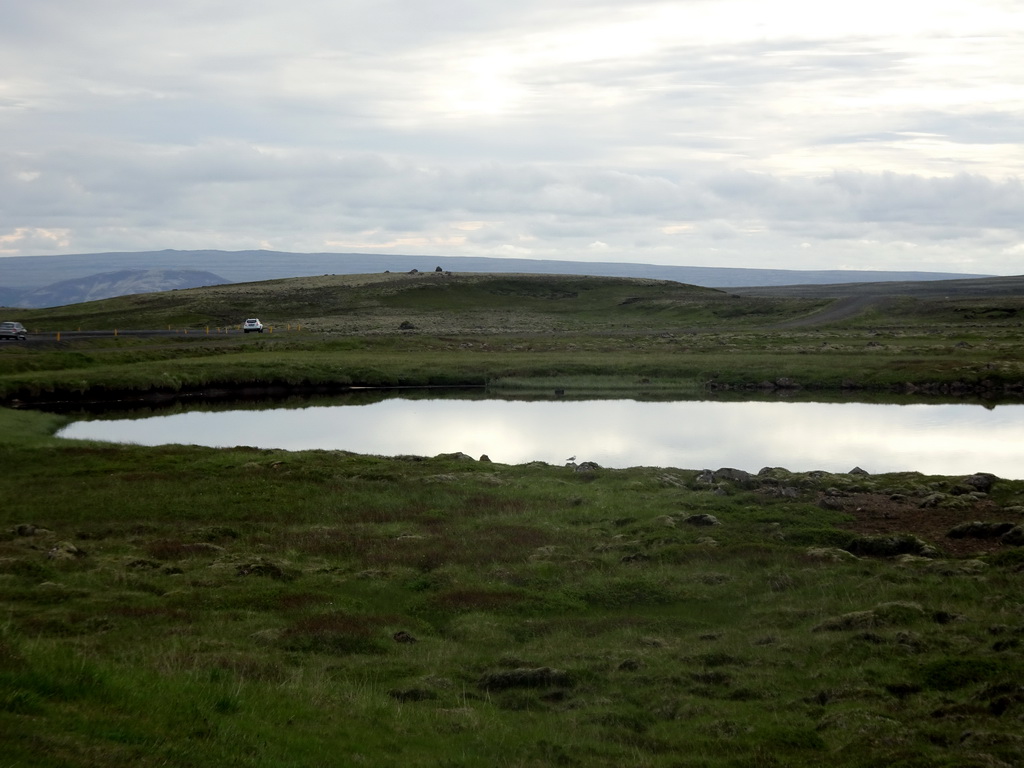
(252, 325)
(10, 330)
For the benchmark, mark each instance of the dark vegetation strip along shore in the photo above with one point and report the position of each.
(242, 607)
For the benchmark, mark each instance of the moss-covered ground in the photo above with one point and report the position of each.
(240, 607)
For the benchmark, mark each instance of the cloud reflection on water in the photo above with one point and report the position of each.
(934, 439)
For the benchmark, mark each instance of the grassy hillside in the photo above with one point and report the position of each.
(521, 332)
(445, 302)
(968, 288)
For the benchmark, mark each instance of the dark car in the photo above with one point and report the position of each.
(15, 331)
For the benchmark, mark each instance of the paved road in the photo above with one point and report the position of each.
(52, 336)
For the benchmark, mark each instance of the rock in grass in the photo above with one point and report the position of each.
(702, 520)
(889, 546)
(932, 500)
(732, 475)
(831, 554)
(540, 677)
(1013, 537)
(457, 456)
(979, 530)
(833, 503)
(981, 481)
(65, 550)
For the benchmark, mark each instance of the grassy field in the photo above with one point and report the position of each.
(243, 607)
(499, 330)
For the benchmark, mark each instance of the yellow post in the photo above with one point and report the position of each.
(58, 335)
(115, 331)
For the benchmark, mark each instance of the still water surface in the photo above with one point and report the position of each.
(836, 437)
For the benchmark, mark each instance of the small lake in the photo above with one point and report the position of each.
(946, 439)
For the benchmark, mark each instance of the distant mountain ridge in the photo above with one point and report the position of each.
(30, 280)
(106, 285)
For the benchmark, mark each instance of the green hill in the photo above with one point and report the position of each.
(435, 301)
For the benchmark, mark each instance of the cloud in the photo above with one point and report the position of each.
(240, 192)
(22, 238)
(727, 131)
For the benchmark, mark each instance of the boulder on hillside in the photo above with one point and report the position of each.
(889, 546)
(457, 456)
(732, 475)
(725, 475)
(1014, 537)
(65, 550)
(702, 520)
(981, 481)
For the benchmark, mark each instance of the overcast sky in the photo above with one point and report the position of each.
(736, 133)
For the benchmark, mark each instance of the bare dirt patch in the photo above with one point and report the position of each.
(879, 514)
(842, 309)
